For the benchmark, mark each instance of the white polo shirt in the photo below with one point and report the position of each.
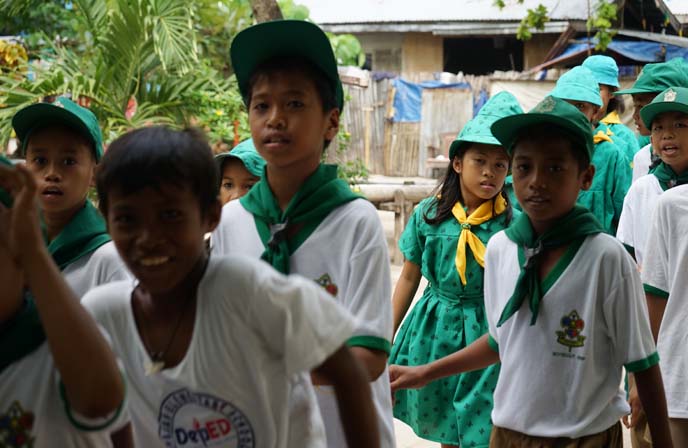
(641, 162)
(665, 274)
(101, 266)
(560, 377)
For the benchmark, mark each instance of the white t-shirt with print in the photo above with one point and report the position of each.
(560, 377)
(254, 330)
(33, 412)
(101, 266)
(665, 273)
(641, 162)
(635, 217)
(347, 255)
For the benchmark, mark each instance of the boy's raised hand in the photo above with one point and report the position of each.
(19, 225)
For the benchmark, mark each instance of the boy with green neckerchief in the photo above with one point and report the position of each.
(62, 144)
(564, 303)
(299, 217)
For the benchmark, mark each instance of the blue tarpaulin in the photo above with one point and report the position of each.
(408, 97)
(641, 51)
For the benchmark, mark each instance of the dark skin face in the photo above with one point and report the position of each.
(669, 139)
(641, 100)
(236, 180)
(483, 169)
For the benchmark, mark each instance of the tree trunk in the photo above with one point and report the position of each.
(266, 10)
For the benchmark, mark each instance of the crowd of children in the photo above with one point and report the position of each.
(549, 274)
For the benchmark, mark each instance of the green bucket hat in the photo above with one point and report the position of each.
(578, 84)
(673, 99)
(247, 154)
(477, 130)
(64, 112)
(552, 111)
(655, 78)
(5, 197)
(603, 68)
(298, 38)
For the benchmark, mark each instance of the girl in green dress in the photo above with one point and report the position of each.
(444, 242)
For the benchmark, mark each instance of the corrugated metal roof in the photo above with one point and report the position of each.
(326, 12)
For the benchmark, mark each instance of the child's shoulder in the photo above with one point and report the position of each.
(108, 299)
(644, 184)
(607, 253)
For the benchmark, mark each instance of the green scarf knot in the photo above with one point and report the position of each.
(668, 178)
(283, 232)
(576, 224)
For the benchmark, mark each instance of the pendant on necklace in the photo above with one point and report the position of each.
(154, 365)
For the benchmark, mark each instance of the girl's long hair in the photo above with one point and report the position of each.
(448, 193)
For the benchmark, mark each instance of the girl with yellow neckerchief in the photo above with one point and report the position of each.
(444, 242)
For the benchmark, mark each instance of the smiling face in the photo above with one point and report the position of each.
(288, 123)
(236, 180)
(669, 139)
(63, 164)
(547, 178)
(641, 100)
(159, 233)
(482, 170)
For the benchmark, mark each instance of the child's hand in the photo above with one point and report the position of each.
(636, 408)
(402, 377)
(19, 226)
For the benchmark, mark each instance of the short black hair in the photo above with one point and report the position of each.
(323, 86)
(548, 132)
(152, 156)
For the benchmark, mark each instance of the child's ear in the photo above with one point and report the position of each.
(587, 176)
(332, 124)
(457, 165)
(213, 215)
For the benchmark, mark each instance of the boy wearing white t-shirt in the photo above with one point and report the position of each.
(213, 346)
(62, 144)
(60, 385)
(563, 300)
(300, 217)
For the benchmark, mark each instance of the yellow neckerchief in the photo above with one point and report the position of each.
(601, 137)
(611, 118)
(479, 216)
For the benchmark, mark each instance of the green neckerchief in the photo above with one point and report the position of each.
(668, 178)
(85, 233)
(576, 224)
(21, 335)
(283, 232)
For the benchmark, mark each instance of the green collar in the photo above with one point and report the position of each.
(283, 232)
(21, 335)
(668, 178)
(574, 226)
(85, 233)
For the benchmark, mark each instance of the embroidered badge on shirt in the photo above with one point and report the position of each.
(326, 282)
(15, 427)
(571, 336)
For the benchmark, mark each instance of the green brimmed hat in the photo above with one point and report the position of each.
(63, 112)
(551, 111)
(578, 84)
(603, 68)
(477, 130)
(655, 78)
(5, 197)
(673, 99)
(247, 154)
(298, 38)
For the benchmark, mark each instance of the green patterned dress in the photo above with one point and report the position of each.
(448, 317)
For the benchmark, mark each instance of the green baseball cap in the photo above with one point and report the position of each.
(655, 78)
(673, 99)
(603, 68)
(578, 84)
(63, 112)
(551, 111)
(296, 38)
(247, 154)
(5, 197)
(477, 130)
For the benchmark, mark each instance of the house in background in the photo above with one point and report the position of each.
(474, 36)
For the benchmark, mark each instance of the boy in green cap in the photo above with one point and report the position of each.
(300, 218)
(240, 169)
(60, 385)
(612, 178)
(653, 79)
(62, 144)
(563, 300)
(606, 73)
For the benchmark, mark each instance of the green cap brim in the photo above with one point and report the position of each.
(633, 91)
(42, 115)
(508, 129)
(650, 112)
(486, 140)
(279, 38)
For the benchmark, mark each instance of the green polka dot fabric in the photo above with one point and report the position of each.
(447, 318)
